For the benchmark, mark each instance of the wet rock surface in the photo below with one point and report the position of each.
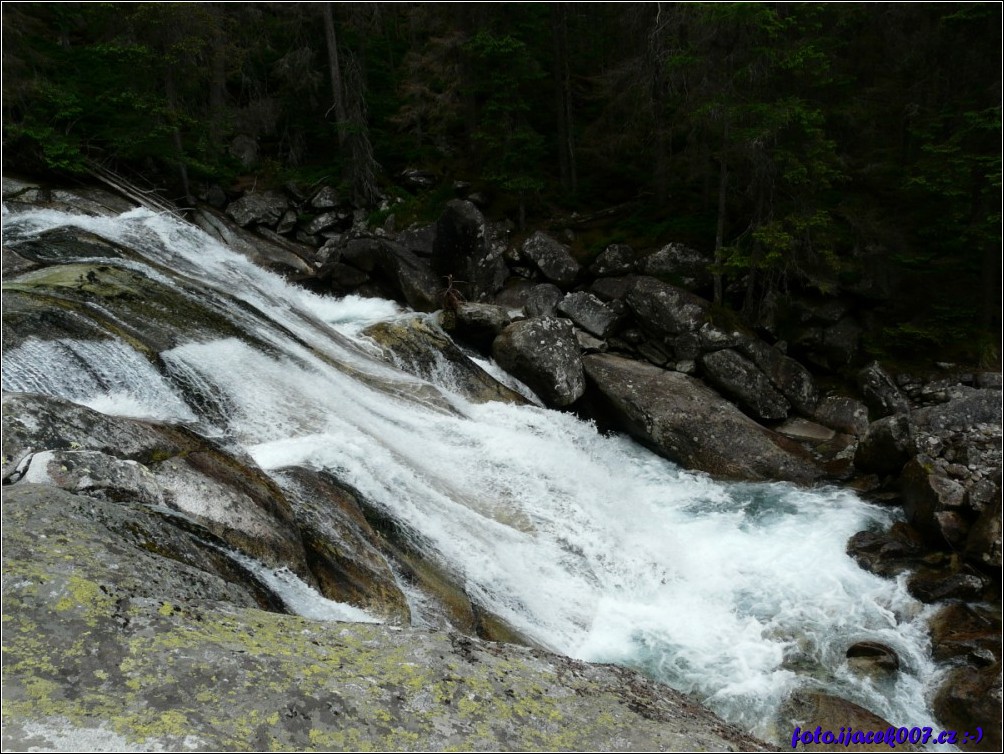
(110, 643)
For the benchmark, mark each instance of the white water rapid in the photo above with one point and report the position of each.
(588, 544)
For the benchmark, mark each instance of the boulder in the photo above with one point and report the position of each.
(616, 259)
(589, 313)
(611, 289)
(887, 553)
(326, 198)
(983, 543)
(841, 342)
(872, 658)
(543, 353)
(465, 247)
(970, 699)
(811, 710)
(738, 377)
(553, 259)
(680, 264)
(408, 277)
(968, 633)
(543, 300)
(665, 309)
(933, 502)
(265, 208)
(260, 251)
(418, 239)
(327, 221)
(477, 324)
(887, 445)
(842, 414)
(880, 392)
(418, 346)
(790, 378)
(689, 423)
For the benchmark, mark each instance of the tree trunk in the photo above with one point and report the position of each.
(334, 70)
(179, 151)
(563, 99)
(723, 184)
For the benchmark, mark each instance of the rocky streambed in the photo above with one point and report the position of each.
(145, 554)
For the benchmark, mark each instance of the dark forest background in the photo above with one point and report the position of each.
(849, 152)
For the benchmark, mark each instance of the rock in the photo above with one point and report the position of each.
(789, 377)
(414, 179)
(253, 247)
(286, 223)
(842, 414)
(265, 208)
(678, 264)
(326, 198)
(688, 423)
(886, 553)
(589, 313)
(419, 239)
(739, 378)
(326, 221)
(589, 344)
(465, 248)
(407, 276)
(926, 496)
(809, 710)
(715, 339)
(81, 450)
(665, 309)
(552, 258)
(880, 392)
(515, 294)
(934, 585)
(343, 278)
(887, 445)
(616, 259)
(611, 289)
(216, 197)
(872, 658)
(802, 429)
(420, 347)
(341, 546)
(122, 631)
(543, 300)
(968, 699)
(983, 544)
(477, 324)
(970, 633)
(544, 354)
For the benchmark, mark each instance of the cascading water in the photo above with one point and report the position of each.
(588, 545)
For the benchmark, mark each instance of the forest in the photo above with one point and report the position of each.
(847, 152)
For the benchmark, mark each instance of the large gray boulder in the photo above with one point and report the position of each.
(680, 264)
(790, 378)
(880, 392)
(553, 259)
(589, 313)
(690, 424)
(543, 300)
(664, 308)
(543, 353)
(740, 379)
(265, 208)
(616, 259)
(465, 247)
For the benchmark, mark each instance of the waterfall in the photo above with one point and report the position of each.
(588, 544)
